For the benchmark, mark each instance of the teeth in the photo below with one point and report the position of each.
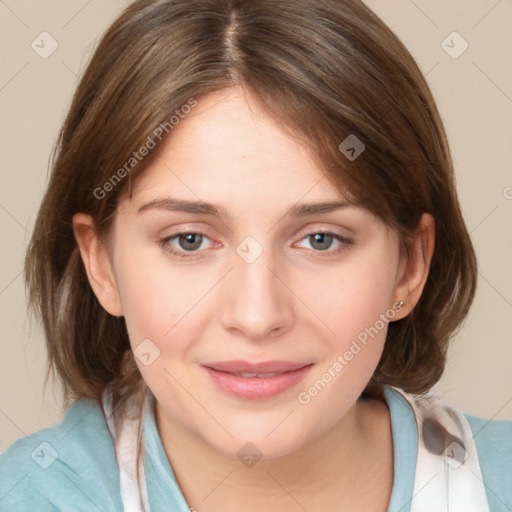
(258, 375)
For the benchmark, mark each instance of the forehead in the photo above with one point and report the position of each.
(227, 147)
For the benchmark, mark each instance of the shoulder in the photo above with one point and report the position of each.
(493, 440)
(70, 462)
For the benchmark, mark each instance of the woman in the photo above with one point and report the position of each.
(249, 262)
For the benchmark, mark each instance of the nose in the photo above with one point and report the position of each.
(258, 304)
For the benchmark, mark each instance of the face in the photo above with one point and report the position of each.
(257, 307)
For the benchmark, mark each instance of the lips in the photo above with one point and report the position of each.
(256, 381)
(266, 367)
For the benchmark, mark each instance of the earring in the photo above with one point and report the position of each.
(398, 305)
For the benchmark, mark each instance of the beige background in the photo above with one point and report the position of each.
(474, 94)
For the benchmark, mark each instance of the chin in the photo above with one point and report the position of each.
(257, 444)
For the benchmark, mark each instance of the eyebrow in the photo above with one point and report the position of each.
(205, 208)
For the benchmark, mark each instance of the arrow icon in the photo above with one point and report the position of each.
(146, 352)
(249, 455)
(454, 45)
(44, 455)
(352, 147)
(44, 45)
(249, 249)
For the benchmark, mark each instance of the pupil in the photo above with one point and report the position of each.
(187, 241)
(321, 238)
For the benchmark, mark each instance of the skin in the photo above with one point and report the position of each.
(298, 301)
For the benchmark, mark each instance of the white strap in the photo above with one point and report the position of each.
(448, 475)
(126, 430)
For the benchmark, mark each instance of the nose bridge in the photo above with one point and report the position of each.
(257, 303)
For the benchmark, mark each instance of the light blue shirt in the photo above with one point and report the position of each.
(72, 465)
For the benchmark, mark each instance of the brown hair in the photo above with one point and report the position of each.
(322, 69)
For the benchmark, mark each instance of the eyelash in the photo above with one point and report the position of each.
(191, 255)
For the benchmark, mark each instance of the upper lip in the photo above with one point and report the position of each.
(262, 367)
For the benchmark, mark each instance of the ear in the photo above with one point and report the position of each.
(97, 263)
(415, 266)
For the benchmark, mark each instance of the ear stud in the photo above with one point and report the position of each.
(398, 305)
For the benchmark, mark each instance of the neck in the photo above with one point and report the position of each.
(351, 465)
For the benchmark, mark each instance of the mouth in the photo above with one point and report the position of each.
(256, 381)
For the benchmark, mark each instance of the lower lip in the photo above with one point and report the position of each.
(253, 388)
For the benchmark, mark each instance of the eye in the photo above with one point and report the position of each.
(322, 241)
(184, 242)
(189, 245)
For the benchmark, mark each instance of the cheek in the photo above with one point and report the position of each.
(359, 315)
(157, 298)
(147, 306)
(355, 295)
(162, 322)
(167, 308)
(356, 306)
